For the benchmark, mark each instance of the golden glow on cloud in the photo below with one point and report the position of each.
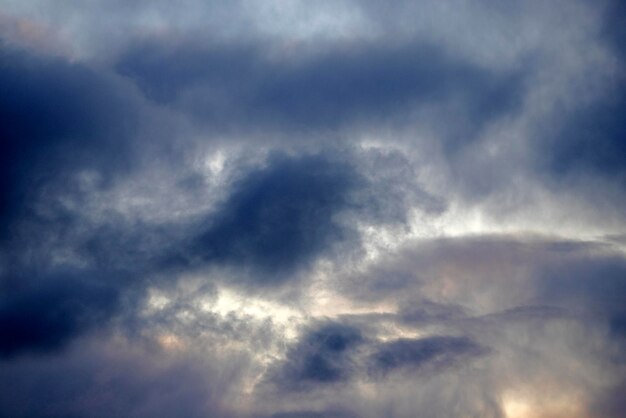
(170, 342)
(515, 407)
(544, 404)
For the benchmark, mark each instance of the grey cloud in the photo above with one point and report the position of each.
(169, 183)
(505, 292)
(280, 217)
(426, 311)
(589, 140)
(428, 354)
(611, 404)
(40, 314)
(339, 352)
(323, 356)
(538, 268)
(100, 379)
(613, 29)
(277, 221)
(300, 91)
(314, 414)
(59, 117)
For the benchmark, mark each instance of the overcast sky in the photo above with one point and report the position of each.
(304, 209)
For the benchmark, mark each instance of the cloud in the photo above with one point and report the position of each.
(313, 414)
(456, 271)
(312, 209)
(430, 353)
(589, 141)
(611, 404)
(299, 90)
(100, 378)
(41, 314)
(280, 217)
(321, 357)
(335, 353)
(59, 117)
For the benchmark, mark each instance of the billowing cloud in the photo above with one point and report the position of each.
(281, 216)
(56, 114)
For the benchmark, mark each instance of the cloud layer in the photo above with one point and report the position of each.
(296, 209)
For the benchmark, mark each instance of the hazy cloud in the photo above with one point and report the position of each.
(312, 209)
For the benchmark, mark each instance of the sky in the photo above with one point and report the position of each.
(307, 209)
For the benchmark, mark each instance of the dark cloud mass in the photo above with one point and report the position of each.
(312, 209)
(592, 139)
(280, 216)
(322, 357)
(56, 117)
(233, 86)
(437, 352)
(313, 414)
(45, 313)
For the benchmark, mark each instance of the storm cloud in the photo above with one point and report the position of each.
(281, 216)
(297, 209)
(225, 85)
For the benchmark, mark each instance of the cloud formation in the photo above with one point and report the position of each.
(297, 209)
(281, 216)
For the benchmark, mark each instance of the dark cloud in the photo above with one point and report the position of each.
(46, 304)
(57, 117)
(233, 85)
(277, 220)
(280, 217)
(430, 354)
(323, 356)
(314, 414)
(40, 314)
(184, 194)
(163, 72)
(585, 139)
(614, 24)
(337, 353)
(591, 140)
